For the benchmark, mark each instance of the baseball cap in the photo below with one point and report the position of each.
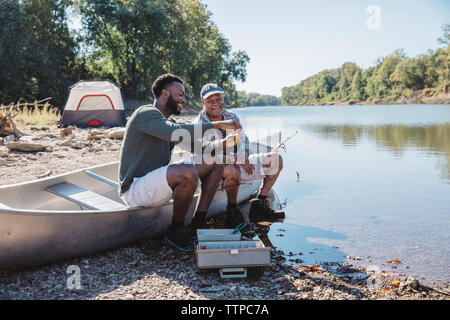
(209, 89)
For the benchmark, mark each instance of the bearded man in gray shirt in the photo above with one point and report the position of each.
(145, 175)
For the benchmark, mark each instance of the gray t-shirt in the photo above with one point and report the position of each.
(244, 144)
(148, 143)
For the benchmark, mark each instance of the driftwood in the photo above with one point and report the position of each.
(7, 125)
(25, 147)
(114, 133)
(111, 134)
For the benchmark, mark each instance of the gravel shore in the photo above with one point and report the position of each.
(152, 270)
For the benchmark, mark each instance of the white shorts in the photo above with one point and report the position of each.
(258, 173)
(151, 190)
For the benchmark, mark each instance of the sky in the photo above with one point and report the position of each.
(290, 40)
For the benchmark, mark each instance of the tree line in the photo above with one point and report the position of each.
(392, 78)
(130, 42)
(256, 99)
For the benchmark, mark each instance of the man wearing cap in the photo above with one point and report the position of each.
(247, 167)
(145, 175)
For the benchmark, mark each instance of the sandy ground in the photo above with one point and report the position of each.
(152, 270)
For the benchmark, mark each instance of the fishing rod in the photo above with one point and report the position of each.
(275, 149)
(282, 144)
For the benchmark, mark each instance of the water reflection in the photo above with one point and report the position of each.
(297, 241)
(434, 139)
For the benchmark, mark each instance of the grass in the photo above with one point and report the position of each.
(34, 114)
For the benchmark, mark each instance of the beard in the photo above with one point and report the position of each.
(172, 105)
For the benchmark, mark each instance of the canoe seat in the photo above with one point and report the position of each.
(100, 178)
(84, 197)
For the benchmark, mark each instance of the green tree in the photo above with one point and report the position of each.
(392, 77)
(326, 84)
(345, 78)
(379, 84)
(356, 87)
(256, 99)
(442, 65)
(410, 73)
(134, 41)
(442, 59)
(37, 51)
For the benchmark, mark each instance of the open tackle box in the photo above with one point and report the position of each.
(222, 249)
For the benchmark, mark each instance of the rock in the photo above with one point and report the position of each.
(343, 270)
(413, 283)
(76, 145)
(95, 132)
(213, 289)
(66, 143)
(396, 283)
(45, 174)
(279, 279)
(65, 132)
(94, 137)
(58, 287)
(354, 258)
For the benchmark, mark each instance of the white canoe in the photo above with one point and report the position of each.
(80, 213)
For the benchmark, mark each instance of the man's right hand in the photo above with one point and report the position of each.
(227, 125)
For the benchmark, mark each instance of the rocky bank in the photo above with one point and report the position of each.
(152, 270)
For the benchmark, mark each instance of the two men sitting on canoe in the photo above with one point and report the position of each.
(145, 176)
(247, 167)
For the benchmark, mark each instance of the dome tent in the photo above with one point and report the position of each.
(94, 103)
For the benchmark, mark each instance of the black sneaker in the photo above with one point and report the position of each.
(180, 239)
(260, 210)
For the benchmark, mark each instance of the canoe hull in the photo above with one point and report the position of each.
(35, 237)
(49, 228)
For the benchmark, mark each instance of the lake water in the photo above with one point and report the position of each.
(375, 184)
